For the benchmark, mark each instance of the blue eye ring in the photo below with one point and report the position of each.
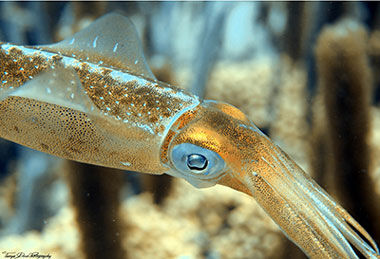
(195, 162)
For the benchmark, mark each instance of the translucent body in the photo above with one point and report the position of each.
(74, 102)
(91, 98)
(256, 166)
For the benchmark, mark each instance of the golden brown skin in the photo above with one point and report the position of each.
(91, 98)
(109, 108)
(256, 166)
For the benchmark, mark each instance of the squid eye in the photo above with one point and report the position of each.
(196, 163)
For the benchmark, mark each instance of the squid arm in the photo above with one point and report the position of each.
(92, 98)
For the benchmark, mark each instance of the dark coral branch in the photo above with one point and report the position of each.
(159, 185)
(345, 81)
(95, 195)
(295, 29)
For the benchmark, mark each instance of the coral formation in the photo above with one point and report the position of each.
(375, 147)
(374, 54)
(247, 85)
(96, 200)
(216, 221)
(345, 81)
(171, 219)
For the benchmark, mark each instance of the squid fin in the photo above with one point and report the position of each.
(60, 86)
(111, 41)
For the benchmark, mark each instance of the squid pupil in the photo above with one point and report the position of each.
(197, 162)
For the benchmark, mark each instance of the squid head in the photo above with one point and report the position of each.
(215, 143)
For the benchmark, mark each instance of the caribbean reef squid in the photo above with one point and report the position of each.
(92, 98)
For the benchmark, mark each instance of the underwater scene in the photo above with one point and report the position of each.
(189, 130)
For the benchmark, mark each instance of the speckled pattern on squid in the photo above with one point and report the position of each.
(127, 97)
(147, 126)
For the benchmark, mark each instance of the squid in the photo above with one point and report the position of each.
(92, 98)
